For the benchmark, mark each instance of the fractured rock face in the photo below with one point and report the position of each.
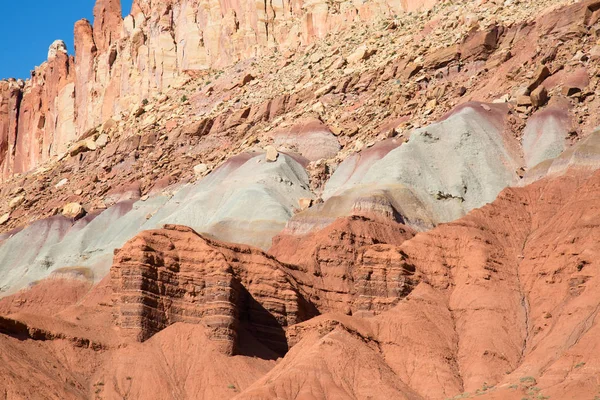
(348, 266)
(37, 117)
(175, 275)
(120, 62)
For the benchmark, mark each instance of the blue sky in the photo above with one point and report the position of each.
(27, 32)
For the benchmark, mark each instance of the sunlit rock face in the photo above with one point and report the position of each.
(37, 117)
(120, 61)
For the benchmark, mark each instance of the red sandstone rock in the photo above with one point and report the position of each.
(479, 44)
(107, 23)
(338, 266)
(175, 275)
(494, 304)
(503, 296)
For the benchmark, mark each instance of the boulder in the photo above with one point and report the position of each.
(538, 77)
(61, 183)
(305, 203)
(200, 169)
(360, 54)
(479, 44)
(16, 202)
(198, 128)
(271, 154)
(82, 147)
(247, 79)
(102, 140)
(4, 218)
(73, 211)
(539, 96)
(442, 57)
(524, 101)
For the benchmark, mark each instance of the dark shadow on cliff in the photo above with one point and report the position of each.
(260, 334)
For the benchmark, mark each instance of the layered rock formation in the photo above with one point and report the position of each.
(217, 205)
(445, 170)
(119, 62)
(175, 275)
(420, 191)
(351, 265)
(500, 305)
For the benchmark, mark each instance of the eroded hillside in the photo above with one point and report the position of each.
(387, 200)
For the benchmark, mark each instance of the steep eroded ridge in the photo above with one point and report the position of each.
(305, 201)
(175, 275)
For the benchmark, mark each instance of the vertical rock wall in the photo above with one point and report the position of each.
(119, 62)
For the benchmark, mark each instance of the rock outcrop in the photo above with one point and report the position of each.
(175, 275)
(120, 62)
(500, 300)
(38, 116)
(305, 200)
(350, 266)
(436, 177)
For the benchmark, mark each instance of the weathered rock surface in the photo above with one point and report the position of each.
(175, 275)
(120, 62)
(502, 297)
(544, 136)
(582, 157)
(374, 131)
(245, 200)
(445, 170)
(340, 268)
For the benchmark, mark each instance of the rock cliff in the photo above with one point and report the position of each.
(305, 200)
(121, 61)
(175, 275)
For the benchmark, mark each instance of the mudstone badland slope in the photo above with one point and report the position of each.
(384, 200)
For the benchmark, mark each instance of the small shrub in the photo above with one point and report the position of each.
(581, 364)
(581, 265)
(46, 263)
(184, 98)
(145, 102)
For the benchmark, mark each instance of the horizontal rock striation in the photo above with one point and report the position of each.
(171, 275)
(175, 275)
(351, 265)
